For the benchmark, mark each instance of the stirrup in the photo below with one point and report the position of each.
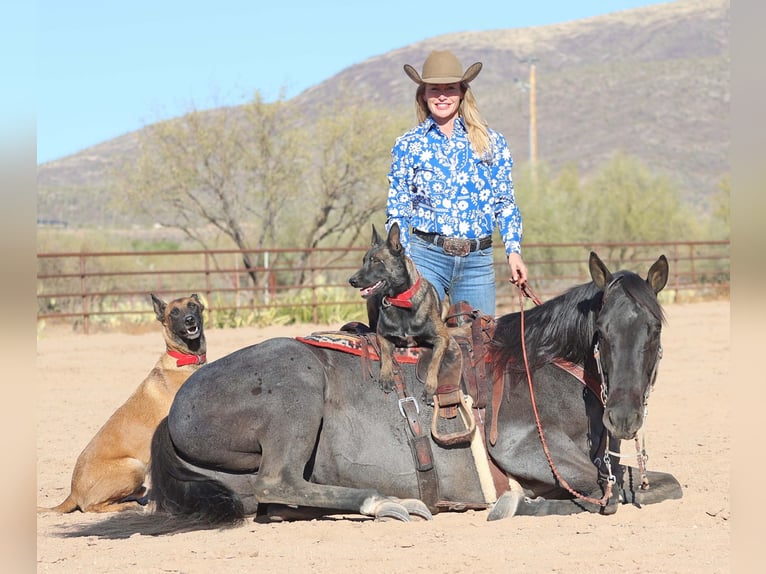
(456, 437)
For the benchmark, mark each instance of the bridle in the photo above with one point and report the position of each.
(641, 456)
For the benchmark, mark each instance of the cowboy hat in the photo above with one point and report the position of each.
(443, 67)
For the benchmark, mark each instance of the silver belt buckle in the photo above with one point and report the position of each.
(457, 246)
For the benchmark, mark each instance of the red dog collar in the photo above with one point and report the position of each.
(184, 359)
(404, 299)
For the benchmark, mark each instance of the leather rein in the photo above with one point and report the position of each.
(579, 373)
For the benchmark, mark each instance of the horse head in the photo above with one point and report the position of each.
(627, 342)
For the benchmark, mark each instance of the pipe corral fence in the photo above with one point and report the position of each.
(309, 285)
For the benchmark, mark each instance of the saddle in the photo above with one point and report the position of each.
(473, 332)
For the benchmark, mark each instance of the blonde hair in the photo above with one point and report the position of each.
(475, 124)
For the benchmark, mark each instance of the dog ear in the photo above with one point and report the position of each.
(199, 301)
(159, 307)
(375, 237)
(394, 238)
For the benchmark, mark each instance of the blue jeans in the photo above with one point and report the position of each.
(470, 278)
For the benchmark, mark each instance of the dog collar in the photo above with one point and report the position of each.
(186, 359)
(404, 299)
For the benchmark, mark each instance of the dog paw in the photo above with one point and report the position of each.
(386, 385)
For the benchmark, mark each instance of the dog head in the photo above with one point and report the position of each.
(384, 270)
(182, 322)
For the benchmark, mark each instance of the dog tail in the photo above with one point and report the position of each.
(69, 505)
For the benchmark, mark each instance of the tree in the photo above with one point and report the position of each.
(624, 202)
(242, 171)
(720, 220)
(350, 147)
(229, 168)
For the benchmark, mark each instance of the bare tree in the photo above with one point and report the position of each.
(263, 175)
(351, 145)
(231, 169)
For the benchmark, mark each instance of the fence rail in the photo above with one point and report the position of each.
(87, 287)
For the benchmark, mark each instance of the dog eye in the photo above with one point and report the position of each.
(175, 311)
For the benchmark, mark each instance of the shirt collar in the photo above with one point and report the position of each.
(430, 124)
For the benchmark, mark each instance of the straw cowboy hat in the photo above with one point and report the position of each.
(443, 67)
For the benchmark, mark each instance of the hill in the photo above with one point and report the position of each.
(652, 82)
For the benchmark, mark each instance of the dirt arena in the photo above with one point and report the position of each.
(81, 379)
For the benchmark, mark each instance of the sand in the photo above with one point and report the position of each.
(83, 378)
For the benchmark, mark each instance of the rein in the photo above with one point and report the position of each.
(604, 500)
(641, 456)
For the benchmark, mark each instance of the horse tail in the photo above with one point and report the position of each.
(181, 492)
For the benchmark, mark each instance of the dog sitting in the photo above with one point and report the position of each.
(109, 473)
(402, 307)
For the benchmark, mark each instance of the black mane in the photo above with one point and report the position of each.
(564, 327)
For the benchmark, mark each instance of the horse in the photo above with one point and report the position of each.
(283, 429)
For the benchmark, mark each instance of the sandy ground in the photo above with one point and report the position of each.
(83, 378)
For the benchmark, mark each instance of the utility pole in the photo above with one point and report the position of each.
(532, 124)
(531, 86)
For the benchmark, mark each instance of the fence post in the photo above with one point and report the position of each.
(691, 263)
(208, 288)
(84, 291)
(314, 298)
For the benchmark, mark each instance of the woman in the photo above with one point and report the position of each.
(450, 184)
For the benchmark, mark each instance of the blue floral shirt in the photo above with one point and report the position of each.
(438, 185)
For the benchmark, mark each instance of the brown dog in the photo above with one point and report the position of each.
(402, 307)
(110, 471)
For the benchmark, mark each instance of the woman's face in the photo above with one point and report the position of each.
(443, 100)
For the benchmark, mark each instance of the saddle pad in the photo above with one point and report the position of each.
(355, 344)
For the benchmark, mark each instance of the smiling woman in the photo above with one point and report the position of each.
(451, 185)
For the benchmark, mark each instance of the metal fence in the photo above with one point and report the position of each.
(89, 287)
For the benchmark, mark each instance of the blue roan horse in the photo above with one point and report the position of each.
(283, 426)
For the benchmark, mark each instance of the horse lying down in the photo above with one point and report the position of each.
(282, 427)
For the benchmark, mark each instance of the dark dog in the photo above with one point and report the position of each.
(109, 473)
(402, 307)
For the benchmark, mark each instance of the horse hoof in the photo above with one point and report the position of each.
(505, 506)
(609, 509)
(416, 508)
(391, 510)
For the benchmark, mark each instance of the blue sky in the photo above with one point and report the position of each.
(107, 68)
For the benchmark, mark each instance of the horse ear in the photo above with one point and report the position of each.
(159, 307)
(599, 273)
(657, 277)
(394, 238)
(375, 237)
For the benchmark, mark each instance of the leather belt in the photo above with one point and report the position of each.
(455, 245)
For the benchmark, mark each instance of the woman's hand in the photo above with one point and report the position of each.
(518, 269)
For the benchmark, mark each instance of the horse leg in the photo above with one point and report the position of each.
(662, 486)
(281, 484)
(287, 444)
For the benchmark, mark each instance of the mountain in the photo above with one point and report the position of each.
(652, 82)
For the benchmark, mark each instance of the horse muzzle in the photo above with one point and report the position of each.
(623, 421)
